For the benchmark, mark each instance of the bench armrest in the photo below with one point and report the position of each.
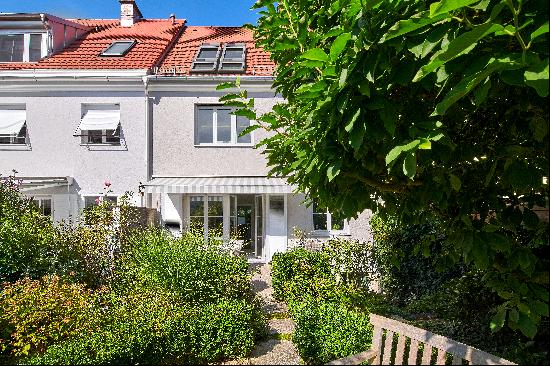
(357, 359)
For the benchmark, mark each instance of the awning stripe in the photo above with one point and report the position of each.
(97, 120)
(218, 185)
(11, 121)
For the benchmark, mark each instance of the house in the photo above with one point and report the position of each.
(134, 101)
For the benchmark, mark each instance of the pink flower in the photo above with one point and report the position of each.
(97, 201)
(107, 183)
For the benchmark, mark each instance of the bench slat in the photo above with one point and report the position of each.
(400, 350)
(377, 343)
(427, 354)
(387, 348)
(413, 352)
(440, 357)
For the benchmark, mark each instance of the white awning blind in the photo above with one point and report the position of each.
(11, 121)
(97, 120)
(219, 185)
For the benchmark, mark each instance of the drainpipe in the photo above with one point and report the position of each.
(148, 136)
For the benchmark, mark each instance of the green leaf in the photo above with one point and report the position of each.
(526, 325)
(393, 154)
(343, 78)
(315, 54)
(245, 113)
(491, 173)
(351, 122)
(455, 182)
(415, 22)
(466, 85)
(249, 129)
(446, 6)
(334, 170)
(537, 77)
(543, 29)
(357, 135)
(409, 165)
(540, 307)
(514, 315)
(226, 85)
(339, 45)
(458, 46)
(497, 322)
(230, 96)
(364, 88)
(479, 250)
(481, 92)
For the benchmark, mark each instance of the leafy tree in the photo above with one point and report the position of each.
(420, 108)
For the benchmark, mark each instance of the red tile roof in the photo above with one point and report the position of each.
(153, 37)
(179, 59)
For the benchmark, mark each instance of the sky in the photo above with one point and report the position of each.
(197, 12)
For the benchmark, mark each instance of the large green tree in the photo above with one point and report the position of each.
(419, 108)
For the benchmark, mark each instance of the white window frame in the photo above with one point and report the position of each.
(13, 138)
(131, 44)
(329, 231)
(205, 201)
(40, 199)
(27, 43)
(215, 143)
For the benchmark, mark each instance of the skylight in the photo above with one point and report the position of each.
(207, 58)
(233, 58)
(118, 48)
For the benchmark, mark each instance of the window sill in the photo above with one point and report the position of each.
(15, 147)
(105, 147)
(224, 145)
(328, 234)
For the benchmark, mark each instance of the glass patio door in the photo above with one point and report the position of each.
(259, 226)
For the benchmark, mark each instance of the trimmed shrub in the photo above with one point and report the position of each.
(193, 274)
(37, 313)
(299, 273)
(327, 331)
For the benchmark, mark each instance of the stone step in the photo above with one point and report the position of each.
(281, 326)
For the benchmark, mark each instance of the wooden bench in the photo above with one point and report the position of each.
(437, 349)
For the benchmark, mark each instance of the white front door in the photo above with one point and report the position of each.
(276, 225)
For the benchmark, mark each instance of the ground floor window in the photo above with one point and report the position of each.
(44, 205)
(206, 212)
(90, 201)
(324, 221)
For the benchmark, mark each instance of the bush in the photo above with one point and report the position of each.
(160, 330)
(327, 331)
(37, 313)
(299, 273)
(401, 255)
(193, 274)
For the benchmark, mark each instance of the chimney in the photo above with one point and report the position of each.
(129, 13)
(173, 18)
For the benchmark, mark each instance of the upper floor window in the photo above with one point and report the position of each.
(215, 125)
(22, 47)
(213, 57)
(323, 221)
(13, 126)
(100, 124)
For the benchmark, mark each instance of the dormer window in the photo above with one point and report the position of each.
(207, 58)
(22, 47)
(119, 48)
(233, 58)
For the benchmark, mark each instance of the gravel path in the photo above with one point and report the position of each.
(274, 350)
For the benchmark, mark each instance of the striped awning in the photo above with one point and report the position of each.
(234, 185)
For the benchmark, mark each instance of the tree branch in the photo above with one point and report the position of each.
(384, 187)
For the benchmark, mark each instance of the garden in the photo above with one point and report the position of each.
(98, 293)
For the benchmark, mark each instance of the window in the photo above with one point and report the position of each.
(233, 58)
(25, 47)
(206, 211)
(206, 59)
(217, 126)
(118, 48)
(90, 201)
(44, 205)
(100, 124)
(13, 125)
(324, 221)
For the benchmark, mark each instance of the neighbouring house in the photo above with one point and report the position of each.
(134, 101)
